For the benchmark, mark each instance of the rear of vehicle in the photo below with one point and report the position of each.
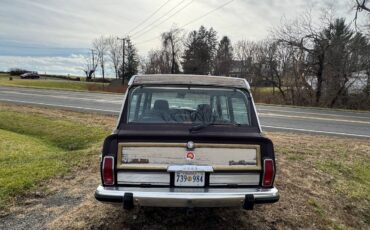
(188, 141)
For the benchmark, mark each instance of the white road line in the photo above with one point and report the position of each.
(325, 114)
(64, 97)
(62, 106)
(316, 131)
(312, 118)
(116, 112)
(61, 92)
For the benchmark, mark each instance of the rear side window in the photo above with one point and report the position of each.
(239, 108)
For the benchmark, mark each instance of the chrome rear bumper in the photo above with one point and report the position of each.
(188, 197)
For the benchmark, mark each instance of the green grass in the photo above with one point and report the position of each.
(347, 163)
(263, 90)
(351, 178)
(64, 134)
(47, 83)
(25, 161)
(35, 147)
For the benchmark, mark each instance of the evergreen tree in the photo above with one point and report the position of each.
(224, 57)
(200, 49)
(131, 61)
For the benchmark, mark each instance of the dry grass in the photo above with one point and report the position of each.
(83, 118)
(310, 196)
(323, 183)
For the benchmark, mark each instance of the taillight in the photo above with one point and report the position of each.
(108, 170)
(268, 174)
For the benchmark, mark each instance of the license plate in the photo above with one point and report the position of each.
(189, 179)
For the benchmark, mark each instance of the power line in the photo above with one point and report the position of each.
(206, 14)
(145, 20)
(143, 29)
(151, 39)
(192, 21)
(183, 8)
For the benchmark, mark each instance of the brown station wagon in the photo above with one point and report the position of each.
(187, 141)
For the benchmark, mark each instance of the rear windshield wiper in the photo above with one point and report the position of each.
(205, 125)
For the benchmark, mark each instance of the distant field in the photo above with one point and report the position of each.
(51, 83)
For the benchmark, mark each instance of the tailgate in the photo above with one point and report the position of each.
(222, 157)
(145, 163)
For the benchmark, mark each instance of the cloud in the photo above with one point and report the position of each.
(46, 28)
(72, 64)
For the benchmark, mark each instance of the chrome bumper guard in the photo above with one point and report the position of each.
(189, 197)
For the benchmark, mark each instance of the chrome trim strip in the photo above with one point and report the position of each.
(192, 168)
(187, 197)
(234, 178)
(153, 178)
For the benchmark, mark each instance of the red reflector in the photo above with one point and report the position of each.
(268, 174)
(108, 170)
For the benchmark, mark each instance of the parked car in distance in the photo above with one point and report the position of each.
(187, 141)
(30, 75)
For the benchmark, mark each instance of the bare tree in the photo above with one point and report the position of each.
(306, 39)
(244, 54)
(158, 61)
(114, 53)
(100, 45)
(89, 67)
(362, 5)
(172, 41)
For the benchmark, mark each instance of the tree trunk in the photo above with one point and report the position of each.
(319, 79)
(102, 71)
(173, 58)
(334, 100)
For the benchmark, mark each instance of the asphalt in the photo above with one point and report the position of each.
(273, 118)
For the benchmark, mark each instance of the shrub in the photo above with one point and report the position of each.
(18, 71)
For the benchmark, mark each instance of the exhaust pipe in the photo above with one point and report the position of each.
(248, 202)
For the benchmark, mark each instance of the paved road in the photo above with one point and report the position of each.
(281, 118)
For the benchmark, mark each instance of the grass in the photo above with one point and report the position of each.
(61, 133)
(35, 147)
(352, 179)
(323, 181)
(346, 163)
(24, 161)
(48, 83)
(328, 178)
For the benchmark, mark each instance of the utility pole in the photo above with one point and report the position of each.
(93, 61)
(123, 58)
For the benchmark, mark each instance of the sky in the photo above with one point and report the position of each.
(54, 36)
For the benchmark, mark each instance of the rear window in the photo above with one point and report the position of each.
(185, 105)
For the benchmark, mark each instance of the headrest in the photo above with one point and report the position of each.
(161, 105)
(204, 108)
